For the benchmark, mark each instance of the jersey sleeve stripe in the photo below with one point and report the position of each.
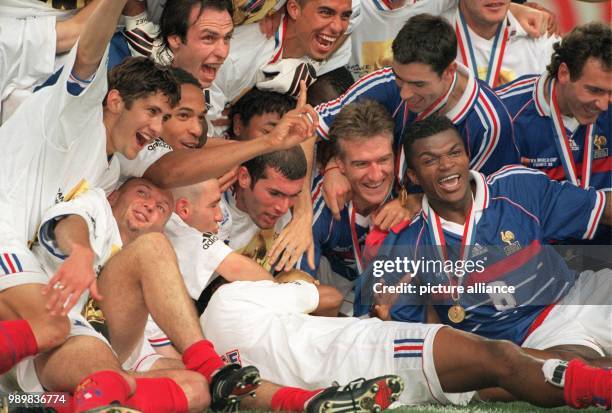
(503, 198)
(596, 215)
(512, 170)
(489, 117)
(521, 85)
(364, 84)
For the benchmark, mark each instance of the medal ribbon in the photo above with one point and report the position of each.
(279, 39)
(434, 226)
(356, 248)
(497, 50)
(438, 103)
(563, 145)
(400, 159)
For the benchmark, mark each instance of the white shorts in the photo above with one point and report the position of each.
(18, 266)
(142, 358)
(27, 53)
(265, 324)
(583, 317)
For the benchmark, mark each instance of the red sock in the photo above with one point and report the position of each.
(587, 386)
(203, 358)
(17, 342)
(100, 389)
(292, 399)
(159, 395)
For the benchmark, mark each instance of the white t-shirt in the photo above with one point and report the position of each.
(52, 142)
(371, 40)
(244, 236)
(199, 254)
(104, 236)
(135, 168)
(251, 50)
(524, 55)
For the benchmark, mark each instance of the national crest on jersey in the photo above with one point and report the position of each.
(527, 100)
(512, 245)
(512, 230)
(601, 147)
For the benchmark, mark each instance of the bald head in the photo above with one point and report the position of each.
(198, 205)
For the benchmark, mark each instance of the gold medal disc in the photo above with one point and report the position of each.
(456, 314)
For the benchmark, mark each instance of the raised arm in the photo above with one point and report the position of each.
(187, 167)
(95, 37)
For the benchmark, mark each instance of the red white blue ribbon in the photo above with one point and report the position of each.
(437, 233)
(400, 161)
(354, 238)
(279, 39)
(564, 149)
(497, 50)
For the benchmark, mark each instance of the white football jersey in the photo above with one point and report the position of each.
(250, 51)
(199, 254)
(135, 168)
(104, 236)
(523, 55)
(244, 236)
(52, 143)
(371, 39)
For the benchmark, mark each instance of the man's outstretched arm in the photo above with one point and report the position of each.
(76, 274)
(187, 167)
(95, 37)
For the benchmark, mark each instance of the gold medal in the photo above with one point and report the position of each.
(456, 314)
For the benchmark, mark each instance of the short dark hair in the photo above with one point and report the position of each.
(137, 77)
(425, 128)
(426, 39)
(183, 77)
(589, 40)
(175, 17)
(291, 163)
(258, 102)
(360, 120)
(329, 86)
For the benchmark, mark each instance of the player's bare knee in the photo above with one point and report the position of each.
(501, 356)
(195, 387)
(155, 242)
(50, 331)
(153, 246)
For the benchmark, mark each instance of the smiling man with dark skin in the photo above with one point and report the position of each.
(496, 218)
